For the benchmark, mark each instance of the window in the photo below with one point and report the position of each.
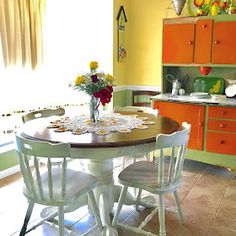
(75, 33)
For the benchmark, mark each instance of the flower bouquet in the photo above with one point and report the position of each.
(98, 85)
(212, 7)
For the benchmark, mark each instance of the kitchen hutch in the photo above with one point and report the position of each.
(190, 42)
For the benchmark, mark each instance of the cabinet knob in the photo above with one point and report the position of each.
(190, 42)
(222, 141)
(222, 125)
(223, 112)
(204, 26)
(216, 42)
(201, 123)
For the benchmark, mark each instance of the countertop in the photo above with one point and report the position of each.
(188, 99)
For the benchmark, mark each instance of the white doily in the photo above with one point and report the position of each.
(109, 122)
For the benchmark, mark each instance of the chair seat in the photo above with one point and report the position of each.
(144, 174)
(77, 183)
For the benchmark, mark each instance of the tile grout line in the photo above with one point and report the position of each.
(219, 206)
(193, 185)
(126, 218)
(218, 209)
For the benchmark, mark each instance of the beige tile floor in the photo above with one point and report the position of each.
(208, 199)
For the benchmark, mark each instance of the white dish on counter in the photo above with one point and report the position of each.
(200, 95)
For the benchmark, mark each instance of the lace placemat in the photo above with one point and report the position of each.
(112, 122)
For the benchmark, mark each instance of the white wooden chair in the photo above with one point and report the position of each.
(43, 113)
(141, 98)
(136, 109)
(149, 110)
(52, 185)
(157, 177)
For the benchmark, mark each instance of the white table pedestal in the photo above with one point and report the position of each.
(104, 193)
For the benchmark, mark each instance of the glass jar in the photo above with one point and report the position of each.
(203, 86)
(197, 86)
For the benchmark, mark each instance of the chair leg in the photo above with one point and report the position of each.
(95, 209)
(179, 210)
(138, 198)
(123, 163)
(161, 216)
(148, 156)
(61, 220)
(119, 206)
(27, 218)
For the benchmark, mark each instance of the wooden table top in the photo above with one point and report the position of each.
(37, 129)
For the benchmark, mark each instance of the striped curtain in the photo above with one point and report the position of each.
(21, 24)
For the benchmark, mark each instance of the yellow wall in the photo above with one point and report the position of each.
(119, 68)
(143, 36)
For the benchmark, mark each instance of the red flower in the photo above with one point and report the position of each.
(105, 95)
(110, 88)
(224, 6)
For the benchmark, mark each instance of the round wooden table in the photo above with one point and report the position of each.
(100, 150)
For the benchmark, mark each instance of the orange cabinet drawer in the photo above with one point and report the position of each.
(222, 112)
(222, 125)
(221, 143)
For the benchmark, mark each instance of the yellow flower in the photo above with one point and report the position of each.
(109, 77)
(214, 10)
(199, 12)
(93, 65)
(79, 80)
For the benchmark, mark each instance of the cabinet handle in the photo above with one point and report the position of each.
(216, 41)
(201, 124)
(204, 26)
(223, 112)
(190, 42)
(222, 141)
(222, 125)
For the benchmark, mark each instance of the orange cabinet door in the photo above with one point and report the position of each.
(203, 41)
(193, 114)
(224, 46)
(178, 43)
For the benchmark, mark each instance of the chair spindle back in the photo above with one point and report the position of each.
(136, 109)
(169, 170)
(35, 174)
(43, 113)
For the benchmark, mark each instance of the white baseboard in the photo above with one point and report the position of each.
(9, 171)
